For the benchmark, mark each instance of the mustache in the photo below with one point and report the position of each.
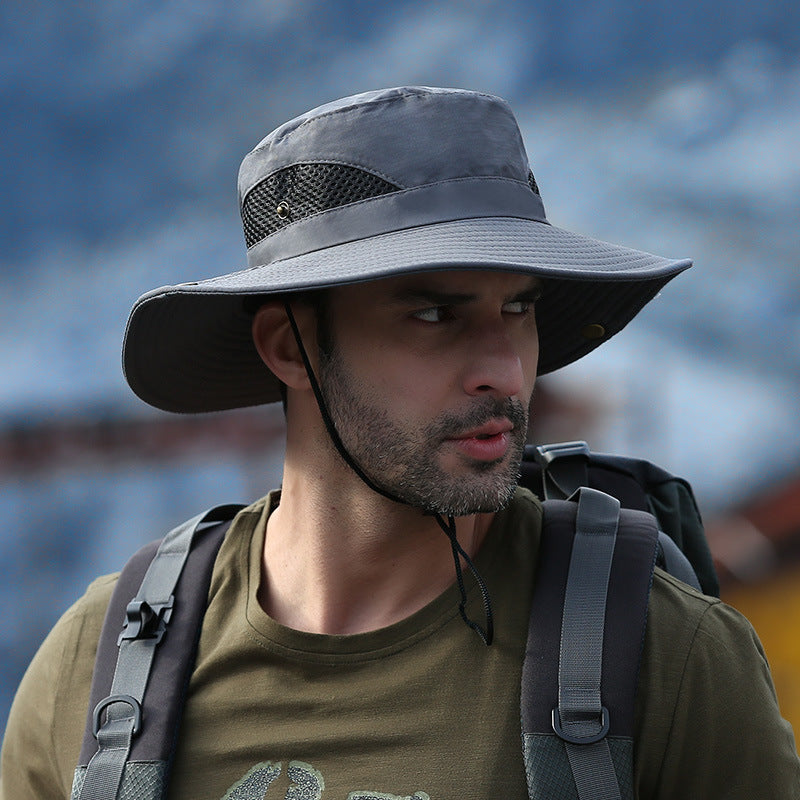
(485, 410)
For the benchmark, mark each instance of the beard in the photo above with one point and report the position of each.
(403, 460)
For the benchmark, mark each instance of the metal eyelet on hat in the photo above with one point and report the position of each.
(593, 331)
(283, 210)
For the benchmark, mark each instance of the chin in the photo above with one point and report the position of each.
(459, 501)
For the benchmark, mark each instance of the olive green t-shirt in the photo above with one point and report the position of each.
(419, 709)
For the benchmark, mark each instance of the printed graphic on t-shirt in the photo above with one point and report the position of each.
(307, 783)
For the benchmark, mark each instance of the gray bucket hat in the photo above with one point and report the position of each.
(401, 180)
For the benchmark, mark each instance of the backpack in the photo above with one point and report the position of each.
(597, 555)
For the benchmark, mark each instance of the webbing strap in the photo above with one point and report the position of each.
(147, 617)
(675, 562)
(580, 719)
(104, 772)
(593, 771)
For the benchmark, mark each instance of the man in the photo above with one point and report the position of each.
(404, 289)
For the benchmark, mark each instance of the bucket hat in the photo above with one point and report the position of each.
(402, 180)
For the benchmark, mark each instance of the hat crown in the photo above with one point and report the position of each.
(408, 136)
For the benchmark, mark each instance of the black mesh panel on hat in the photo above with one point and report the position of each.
(301, 190)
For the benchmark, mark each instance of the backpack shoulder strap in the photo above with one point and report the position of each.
(143, 663)
(584, 645)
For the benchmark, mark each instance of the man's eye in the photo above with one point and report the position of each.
(432, 314)
(517, 307)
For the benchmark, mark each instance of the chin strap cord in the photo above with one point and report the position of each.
(449, 526)
(487, 635)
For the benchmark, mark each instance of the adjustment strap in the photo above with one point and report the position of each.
(580, 718)
(675, 562)
(147, 617)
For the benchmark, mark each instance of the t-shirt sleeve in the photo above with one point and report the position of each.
(43, 736)
(726, 738)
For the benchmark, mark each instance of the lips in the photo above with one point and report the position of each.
(488, 442)
(487, 430)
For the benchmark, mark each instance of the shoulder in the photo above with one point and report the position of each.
(691, 625)
(74, 637)
(686, 629)
(66, 657)
(41, 746)
(91, 606)
(679, 607)
(707, 714)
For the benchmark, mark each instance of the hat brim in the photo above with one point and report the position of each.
(188, 348)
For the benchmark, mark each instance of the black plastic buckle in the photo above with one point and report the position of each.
(117, 698)
(545, 454)
(143, 621)
(591, 738)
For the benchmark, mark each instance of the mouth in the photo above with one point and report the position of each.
(487, 442)
(488, 430)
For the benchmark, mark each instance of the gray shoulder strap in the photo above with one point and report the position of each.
(117, 718)
(580, 719)
(585, 636)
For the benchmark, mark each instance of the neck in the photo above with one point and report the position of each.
(341, 559)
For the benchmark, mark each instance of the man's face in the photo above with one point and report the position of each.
(428, 379)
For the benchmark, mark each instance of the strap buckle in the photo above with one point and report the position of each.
(545, 454)
(564, 468)
(145, 621)
(589, 738)
(117, 698)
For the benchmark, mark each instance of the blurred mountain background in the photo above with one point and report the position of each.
(668, 126)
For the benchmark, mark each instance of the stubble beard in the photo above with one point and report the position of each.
(404, 461)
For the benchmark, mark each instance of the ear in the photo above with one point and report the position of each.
(274, 340)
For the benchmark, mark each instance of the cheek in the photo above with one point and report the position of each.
(530, 357)
(408, 386)
(531, 366)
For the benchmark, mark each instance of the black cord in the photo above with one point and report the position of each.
(486, 635)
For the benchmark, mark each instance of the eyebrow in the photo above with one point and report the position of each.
(437, 297)
(434, 297)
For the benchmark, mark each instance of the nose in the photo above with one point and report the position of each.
(495, 364)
